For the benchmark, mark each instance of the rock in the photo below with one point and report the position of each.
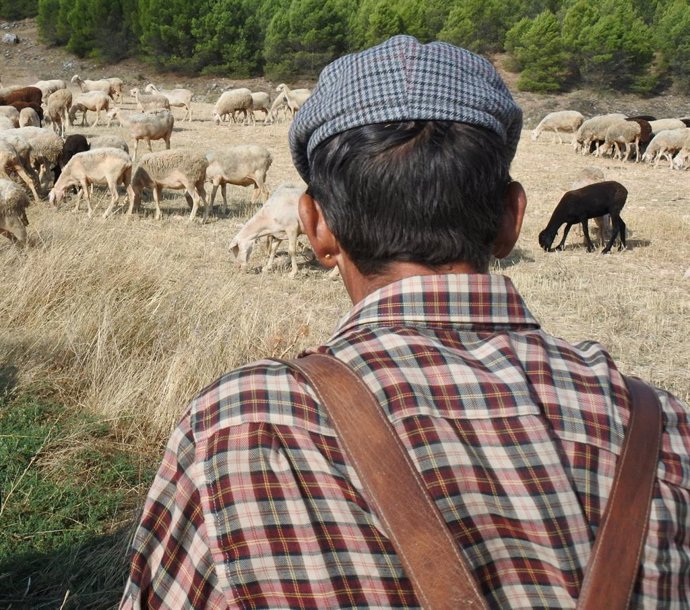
(10, 38)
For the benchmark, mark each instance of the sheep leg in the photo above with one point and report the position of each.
(223, 189)
(28, 175)
(112, 185)
(565, 234)
(157, 200)
(98, 116)
(201, 192)
(292, 233)
(585, 232)
(273, 243)
(618, 230)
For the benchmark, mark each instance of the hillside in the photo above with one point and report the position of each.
(30, 60)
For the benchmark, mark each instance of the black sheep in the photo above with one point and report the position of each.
(74, 143)
(579, 206)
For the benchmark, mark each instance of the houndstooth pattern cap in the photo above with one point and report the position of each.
(401, 80)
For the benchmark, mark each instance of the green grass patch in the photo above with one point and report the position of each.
(69, 491)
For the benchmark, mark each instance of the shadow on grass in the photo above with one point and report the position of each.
(88, 576)
(8, 378)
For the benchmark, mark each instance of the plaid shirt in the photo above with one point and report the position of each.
(516, 434)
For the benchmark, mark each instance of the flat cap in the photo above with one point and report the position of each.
(404, 80)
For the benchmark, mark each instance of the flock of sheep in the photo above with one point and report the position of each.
(50, 160)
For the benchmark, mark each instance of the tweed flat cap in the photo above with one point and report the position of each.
(402, 80)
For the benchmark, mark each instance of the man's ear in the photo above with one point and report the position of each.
(323, 242)
(511, 223)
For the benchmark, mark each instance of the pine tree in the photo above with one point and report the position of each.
(673, 35)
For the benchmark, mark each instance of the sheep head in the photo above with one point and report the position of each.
(546, 238)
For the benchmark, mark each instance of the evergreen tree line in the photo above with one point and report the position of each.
(641, 46)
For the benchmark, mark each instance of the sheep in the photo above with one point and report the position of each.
(280, 103)
(30, 95)
(241, 165)
(664, 124)
(176, 97)
(57, 108)
(13, 204)
(146, 126)
(11, 113)
(116, 86)
(50, 86)
(6, 123)
(15, 158)
(592, 175)
(665, 143)
(622, 132)
(19, 106)
(260, 101)
(561, 120)
(683, 155)
(590, 201)
(96, 101)
(230, 102)
(174, 169)
(74, 143)
(149, 101)
(103, 85)
(46, 147)
(294, 97)
(28, 117)
(278, 219)
(593, 131)
(103, 165)
(108, 141)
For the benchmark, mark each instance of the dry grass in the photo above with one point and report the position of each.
(129, 320)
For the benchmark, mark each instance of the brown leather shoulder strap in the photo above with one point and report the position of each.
(615, 561)
(418, 532)
(392, 486)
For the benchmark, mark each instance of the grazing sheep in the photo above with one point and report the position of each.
(57, 108)
(592, 175)
(13, 204)
(279, 104)
(260, 102)
(110, 166)
(15, 157)
(593, 131)
(176, 97)
(230, 102)
(116, 86)
(294, 97)
(665, 124)
(103, 85)
(11, 113)
(623, 132)
(146, 126)
(683, 155)
(242, 165)
(665, 144)
(46, 147)
(30, 95)
(568, 121)
(173, 169)
(578, 206)
(28, 117)
(96, 101)
(108, 141)
(48, 87)
(19, 106)
(277, 219)
(149, 101)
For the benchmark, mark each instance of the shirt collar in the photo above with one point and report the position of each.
(451, 300)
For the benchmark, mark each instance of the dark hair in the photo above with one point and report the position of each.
(429, 192)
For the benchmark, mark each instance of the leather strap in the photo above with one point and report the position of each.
(392, 486)
(615, 560)
(440, 576)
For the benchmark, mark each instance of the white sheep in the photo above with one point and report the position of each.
(116, 86)
(666, 143)
(594, 130)
(15, 157)
(11, 113)
(559, 121)
(96, 101)
(242, 165)
(277, 219)
(110, 166)
(57, 110)
(149, 101)
(46, 148)
(173, 169)
(626, 133)
(230, 102)
(108, 141)
(6, 123)
(146, 126)
(103, 85)
(13, 204)
(50, 86)
(293, 97)
(680, 160)
(261, 101)
(181, 98)
(28, 117)
(666, 124)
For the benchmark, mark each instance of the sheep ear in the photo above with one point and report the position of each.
(511, 222)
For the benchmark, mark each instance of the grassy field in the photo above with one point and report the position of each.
(108, 328)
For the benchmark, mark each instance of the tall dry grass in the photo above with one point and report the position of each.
(130, 319)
